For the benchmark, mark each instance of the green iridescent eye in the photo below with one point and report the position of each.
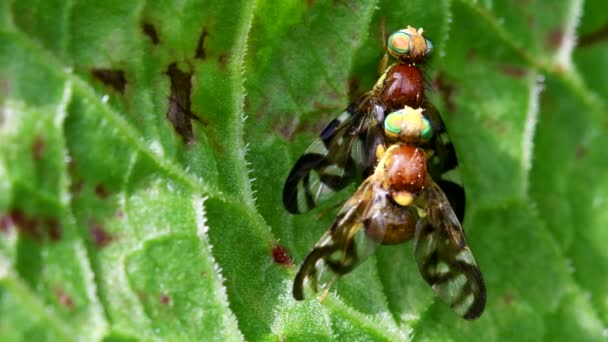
(392, 123)
(427, 132)
(399, 42)
(429, 46)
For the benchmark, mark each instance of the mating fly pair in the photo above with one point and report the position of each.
(394, 139)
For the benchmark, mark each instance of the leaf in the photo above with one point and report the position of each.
(144, 147)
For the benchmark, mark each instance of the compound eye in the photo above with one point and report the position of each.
(392, 123)
(429, 46)
(427, 131)
(399, 43)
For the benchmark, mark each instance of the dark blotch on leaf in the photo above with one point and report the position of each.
(38, 147)
(111, 77)
(223, 60)
(28, 226)
(100, 237)
(284, 129)
(554, 38)
(323, 107)
(150, 31)
(76, 186)
(200, 46)
(64, 299)
(471, 54)
(143, 296)
(5, 223)
(35, 228)
(580, 152)
(101, 191)
(179, 113)
(447, 91)
(165, 299)
(514, 71)
(280, 256)
(595, 37)
(54, 229)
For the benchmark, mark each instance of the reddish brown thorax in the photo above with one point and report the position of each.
(406, 169)
(403, 86)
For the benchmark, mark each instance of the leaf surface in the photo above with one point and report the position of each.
(144, 146)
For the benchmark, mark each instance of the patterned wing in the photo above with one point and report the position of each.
(365, 221)
(338, 251)
(344, 153)
(444, 160)
(445, 260)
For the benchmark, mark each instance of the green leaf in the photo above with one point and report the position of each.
(144, 146)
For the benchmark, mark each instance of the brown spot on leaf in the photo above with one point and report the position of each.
(514, 71)
(200, 46)
(38, 147)
(54, 229)
(323, 107)
(5, 223)
(112, 78)
(150, 31)
(100, 237)
(281, 256)
(165, 299)
(26, 225)
(507, 298)
(76, 186)
(498, 126)
(101, 191)
(120, 214)
(554, 38)
(223, 61)
(471, 54)
(580, 152)
(32, 227)
(447, 91)
(141, 295)
(64, 299)
(284, 129)
(180, 113)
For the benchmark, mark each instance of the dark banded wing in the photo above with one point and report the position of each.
(445, 260)
(344, 152)
(341, 248)
(444, 160)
